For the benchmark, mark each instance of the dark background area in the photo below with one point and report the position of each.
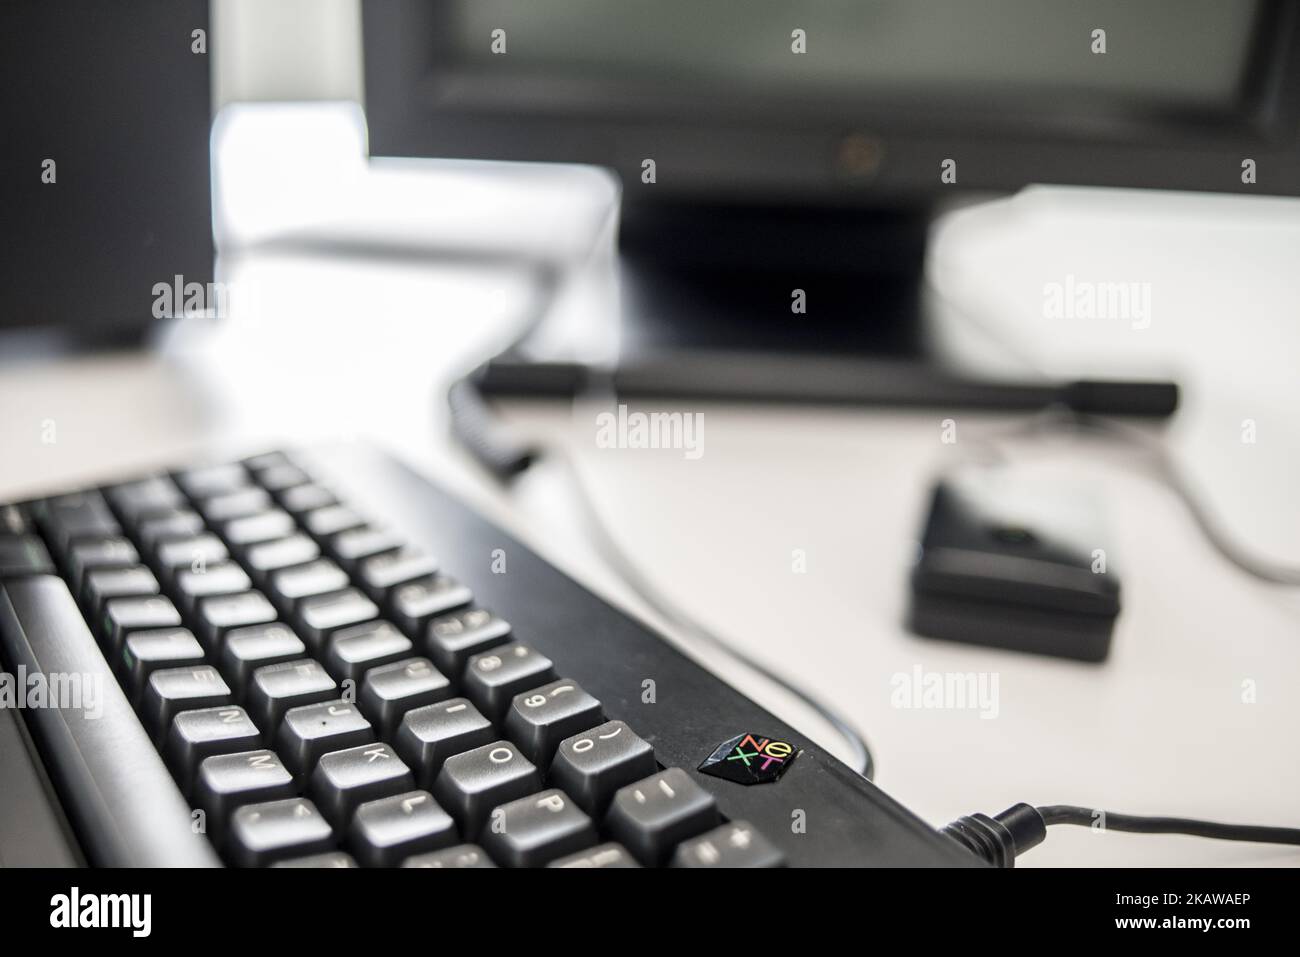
(123, 107)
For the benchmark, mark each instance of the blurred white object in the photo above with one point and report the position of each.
(1219, 270)
(297, 174)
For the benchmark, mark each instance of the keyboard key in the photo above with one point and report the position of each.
(531, 831)
(429, 735)
(451, 640)
(291, 585)
(195, 552)
(343, 780)
(172, 690)
(471, 784)
(336, 859)
(212, 480)
(651, 817)
(388, 830)
(309, 731)
(492, 679)
(237, 504)
(277, 688)
(225, 781)
(223, 578)
(145, 498)
(144, 652)
(351, 547)
(330, 520)
(354, 650)
(124, 615)
(66, 518)
(734, 844)
(247, 649)
(462, 855)
(321, 615)
(389, 691)
(216, 616)
(538, 720)
(306, 498)
(24, 555)
(263, 833)
(415, 602)
(257, 529)
(105, 583)
(169, 526)
(267, 557)
(602, 855)
(379, 573)
(14, 521)
(277, 478)
(590, 767)
(266, 460)
(197, 735)
(90, 553)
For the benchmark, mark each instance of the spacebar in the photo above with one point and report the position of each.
(124, 805)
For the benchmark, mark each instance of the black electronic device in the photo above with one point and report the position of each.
(1015, 564)
(317, 651)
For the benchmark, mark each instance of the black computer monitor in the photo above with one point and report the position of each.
(1163, 93)
(768, 145)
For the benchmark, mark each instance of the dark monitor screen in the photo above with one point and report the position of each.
(824, 99)
(1017, 51)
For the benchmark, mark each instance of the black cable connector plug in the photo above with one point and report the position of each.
(1001, 838)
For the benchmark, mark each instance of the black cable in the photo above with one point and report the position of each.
(474, 424)
(1257, 566)
(1086, 817)
(635, 579)
(1002, 838)
(1060, 421)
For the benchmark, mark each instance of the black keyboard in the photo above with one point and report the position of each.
(318, 659)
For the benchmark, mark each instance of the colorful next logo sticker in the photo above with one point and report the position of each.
(750, 758)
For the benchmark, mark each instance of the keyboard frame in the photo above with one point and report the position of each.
(848, 820)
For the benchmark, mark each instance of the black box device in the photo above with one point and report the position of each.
(1015, 565)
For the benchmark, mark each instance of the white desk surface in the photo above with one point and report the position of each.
(328, 346)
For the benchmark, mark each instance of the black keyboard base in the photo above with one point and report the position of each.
(108, 776)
